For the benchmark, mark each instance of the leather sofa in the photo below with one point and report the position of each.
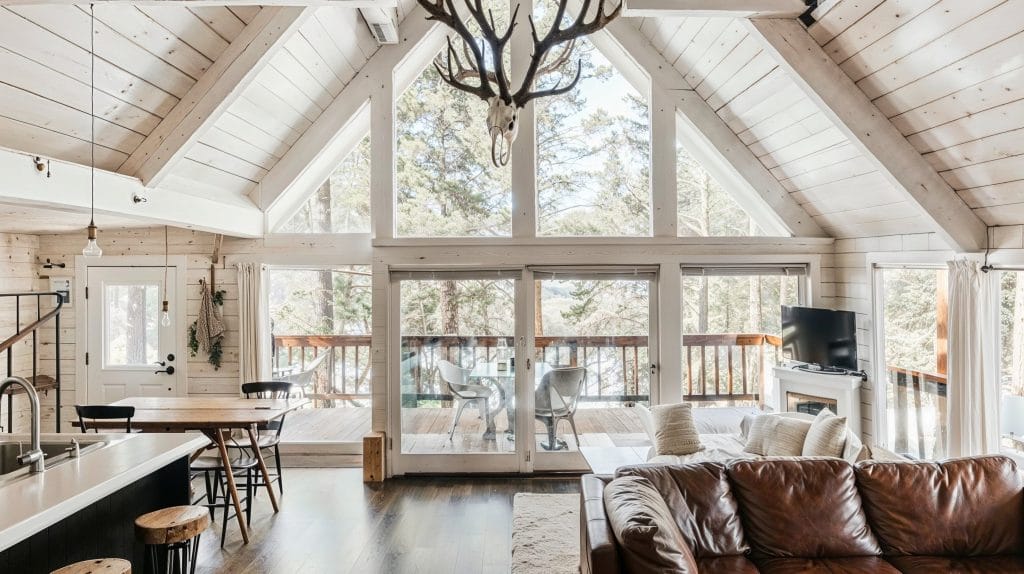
(812, 515)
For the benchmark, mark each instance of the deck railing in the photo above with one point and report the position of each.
(716, 367)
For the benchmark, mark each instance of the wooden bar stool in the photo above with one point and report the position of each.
(171, 536)
(97, 566)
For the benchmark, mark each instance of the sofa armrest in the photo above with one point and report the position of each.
(599, 552)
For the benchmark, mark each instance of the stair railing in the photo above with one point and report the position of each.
(32, 329)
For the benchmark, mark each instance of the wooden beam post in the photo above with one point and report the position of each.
(713, 8)
(373, 457)
(214, 93)
(870, 131)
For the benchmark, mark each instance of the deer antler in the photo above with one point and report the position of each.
(557, 35)
(444, 11)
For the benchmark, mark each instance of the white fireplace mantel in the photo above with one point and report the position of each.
(844, 389)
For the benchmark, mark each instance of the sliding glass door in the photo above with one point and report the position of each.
(595, 355)
(456, 365)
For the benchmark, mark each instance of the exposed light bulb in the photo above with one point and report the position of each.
(165, 316)
(92, 248)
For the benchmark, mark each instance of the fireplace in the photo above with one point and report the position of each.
(810, 392)
(809, 404)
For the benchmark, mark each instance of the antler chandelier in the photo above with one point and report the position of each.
(494, 86)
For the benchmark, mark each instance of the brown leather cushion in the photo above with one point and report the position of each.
(962, 507)
(967, 565)
(807, 508)
(727, 564)
(648, 537)
(702, 505)
(856, 565)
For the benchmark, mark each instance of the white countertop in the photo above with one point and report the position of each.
(30, 504)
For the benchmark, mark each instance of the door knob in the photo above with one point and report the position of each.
(168, 370)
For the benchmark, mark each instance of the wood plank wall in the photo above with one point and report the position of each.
(18, 272)
(198, 246)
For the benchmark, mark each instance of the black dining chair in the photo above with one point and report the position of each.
(269, 437)
(104, 413)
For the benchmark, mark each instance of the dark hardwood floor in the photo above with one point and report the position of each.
(330, 522)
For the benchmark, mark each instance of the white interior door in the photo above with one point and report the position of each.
(130, 354)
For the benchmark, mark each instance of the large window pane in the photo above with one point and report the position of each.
(914, 311)
(447, 185)
(593, 149)
(600, 327)
(705, 207)
(732, 328)
(1011, 319)
(342, 203)
(457, 365)
(320, 321)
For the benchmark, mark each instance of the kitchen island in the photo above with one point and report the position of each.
(84, 507)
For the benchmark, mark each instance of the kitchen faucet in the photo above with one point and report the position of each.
(34, 456)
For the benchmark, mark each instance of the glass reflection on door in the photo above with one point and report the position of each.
(593, 361)
(457, 365)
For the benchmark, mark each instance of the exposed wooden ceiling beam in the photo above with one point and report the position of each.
(310, 161)
(68, 189)
(871, 131)
(747, 177)
(712, 8)
(218, 88)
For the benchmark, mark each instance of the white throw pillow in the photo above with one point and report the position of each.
(674, 430)
(788, 437)
(774, 435)
(827, 435)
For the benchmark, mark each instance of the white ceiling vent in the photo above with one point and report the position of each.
(382, 24)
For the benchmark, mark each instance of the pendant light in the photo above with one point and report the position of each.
(165, 315)
(92, 249)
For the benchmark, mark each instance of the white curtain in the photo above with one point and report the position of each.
(973, 360)
(253, 342)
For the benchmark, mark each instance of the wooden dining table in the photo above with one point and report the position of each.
(212, 416)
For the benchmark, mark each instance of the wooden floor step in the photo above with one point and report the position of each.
(42, 383)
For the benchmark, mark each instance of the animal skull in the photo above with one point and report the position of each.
(503, 127)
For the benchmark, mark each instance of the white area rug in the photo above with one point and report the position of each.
(546, 533)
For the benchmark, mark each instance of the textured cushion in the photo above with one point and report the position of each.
(807, 508)
(787, 438)
(774, 435)
(649, 539)
(674, 430)
(827, 435)
(960, 507)
(702, 505)
(857, 565)
(962, 565)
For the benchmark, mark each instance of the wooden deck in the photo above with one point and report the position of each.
(426, 429)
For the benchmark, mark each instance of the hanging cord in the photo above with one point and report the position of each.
(988, 249)
(92, 114)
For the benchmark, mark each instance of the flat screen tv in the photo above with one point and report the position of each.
(820, 337)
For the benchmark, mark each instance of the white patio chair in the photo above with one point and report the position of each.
(303, 380)
(457, 380)
(556, 399)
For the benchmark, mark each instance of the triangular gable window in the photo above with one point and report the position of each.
(342, 203)
(706, 208)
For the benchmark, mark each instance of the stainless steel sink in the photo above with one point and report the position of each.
(56, 452)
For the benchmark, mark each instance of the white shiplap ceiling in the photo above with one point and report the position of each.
(949, 74)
